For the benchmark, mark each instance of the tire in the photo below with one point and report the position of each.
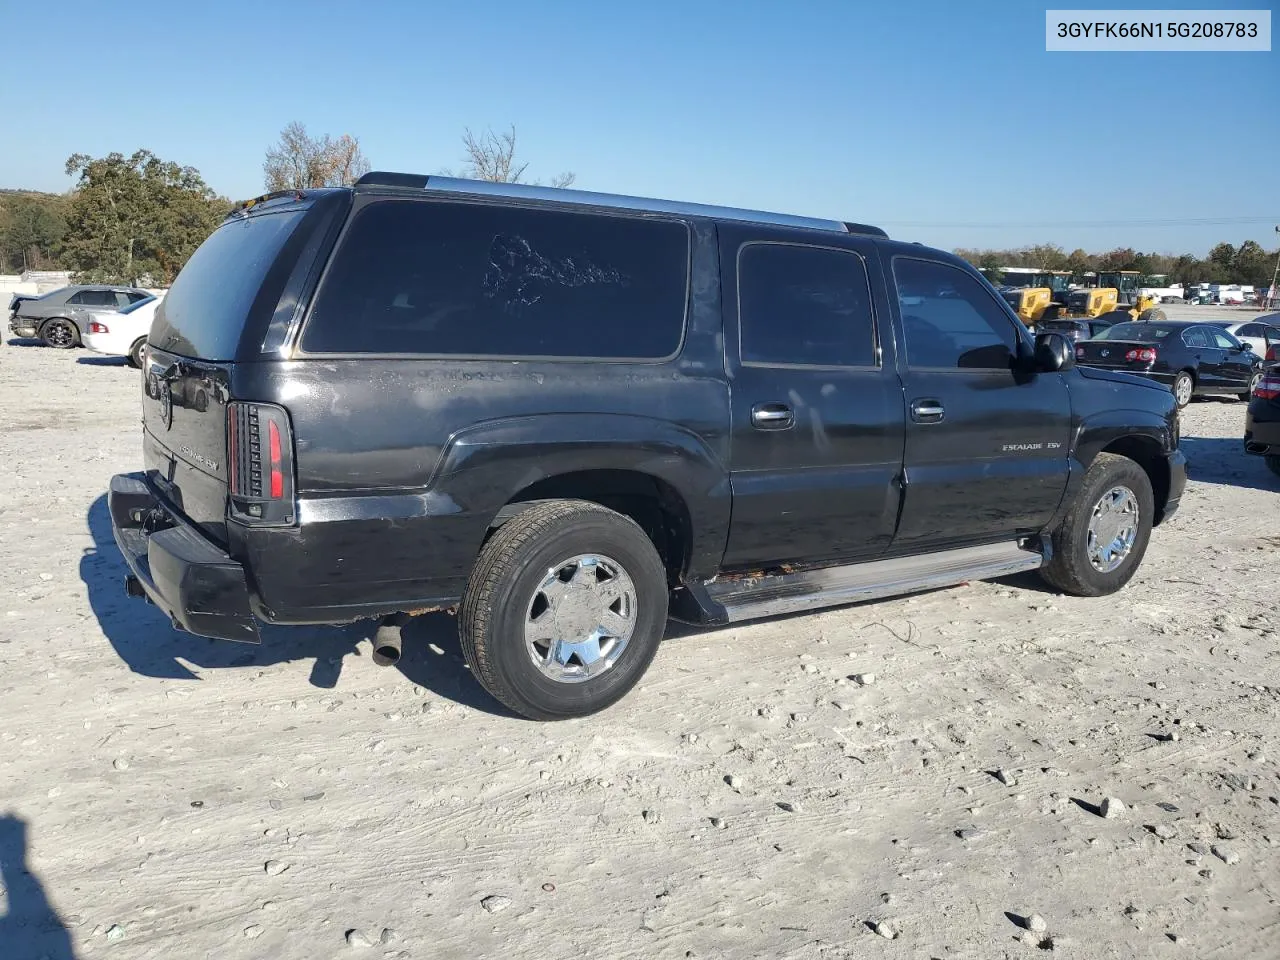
(1071, 568)
(505, 592)
(1152, 315)
(60, 333)
(138, 353)
(1273, 463)
(1253, 382)
(1184, 385)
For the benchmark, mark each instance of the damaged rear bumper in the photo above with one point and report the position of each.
(199, 586)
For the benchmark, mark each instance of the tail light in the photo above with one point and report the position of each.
(1273, 352)
(96, 327)
(1268, 387)
(1141, 355)
(260, 463)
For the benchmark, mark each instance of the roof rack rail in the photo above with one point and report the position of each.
(380, 178)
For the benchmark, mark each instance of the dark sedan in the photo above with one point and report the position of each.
(1262, 422)
(1194, 359)
(1075, 329)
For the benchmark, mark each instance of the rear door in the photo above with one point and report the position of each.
(817, 415)
(986, 443)
(1208, 356)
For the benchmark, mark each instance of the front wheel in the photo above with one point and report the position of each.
(1183, 387)
(564, 610)
(1253, 385)
(1102, 539)
(60, 334)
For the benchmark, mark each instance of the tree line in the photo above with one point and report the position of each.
(1248, 263)
(138, 218)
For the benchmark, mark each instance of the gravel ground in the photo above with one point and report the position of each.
(1015, 770)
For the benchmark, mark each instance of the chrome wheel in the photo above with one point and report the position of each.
(580, 618)
(1182, 391)
(1113, 528)
(1253, 385)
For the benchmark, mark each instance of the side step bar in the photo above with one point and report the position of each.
(734, 600)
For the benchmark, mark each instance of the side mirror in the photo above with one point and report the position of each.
(1054, 353)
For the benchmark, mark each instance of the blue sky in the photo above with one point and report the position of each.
(945, 122)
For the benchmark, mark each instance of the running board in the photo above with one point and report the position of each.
(749, 598)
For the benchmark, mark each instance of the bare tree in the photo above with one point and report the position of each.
(300, 161)
(492, 156)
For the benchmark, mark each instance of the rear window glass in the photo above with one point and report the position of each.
(463, 279)
(205, 310)
(1142, 332)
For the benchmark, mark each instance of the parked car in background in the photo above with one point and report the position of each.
(1075, 329)
(123, 333)
(1262, 421)
(1257, 335)
(1194, 359)
(61, 318)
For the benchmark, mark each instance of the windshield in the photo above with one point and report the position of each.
(1142, 332)
(205, 310)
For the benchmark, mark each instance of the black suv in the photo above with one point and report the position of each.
(570, 415)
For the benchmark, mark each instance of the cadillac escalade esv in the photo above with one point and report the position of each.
(569, 416)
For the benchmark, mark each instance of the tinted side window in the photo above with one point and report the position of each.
(137, 297)
(1224, 340)
(1195, 337)
(1273, 334)
(1250, 330)
(476, 280)
(804, 305)
(77, 298)
(95, 298)
(949, 319)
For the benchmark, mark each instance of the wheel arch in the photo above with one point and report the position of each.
(1145, 438)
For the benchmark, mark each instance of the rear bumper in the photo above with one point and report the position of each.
(197, 584)
(103, 343)
(1262, 429)
(23, 327)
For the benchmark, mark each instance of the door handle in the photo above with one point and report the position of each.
(927, 411)
(772, 416)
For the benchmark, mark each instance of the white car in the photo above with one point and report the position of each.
(122, 334)
(1260, 334)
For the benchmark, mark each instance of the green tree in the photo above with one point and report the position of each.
(31, 229)
(1122, 258)
(1046, 256)
(1224, 255)
(136, 218)
(1079, 263)
(1252, 264)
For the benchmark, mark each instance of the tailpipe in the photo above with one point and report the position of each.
(386, 642)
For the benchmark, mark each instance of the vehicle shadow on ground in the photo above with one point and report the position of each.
(148, 644)
(97, 361)
(24, 342)
(1223, 460)
(29, 927)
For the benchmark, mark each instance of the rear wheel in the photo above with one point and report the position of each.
(138, 353)
(1183, 386)
(60, 334)
(1102, 539)
(564, 610)
(1253, 383)
(1273, 462)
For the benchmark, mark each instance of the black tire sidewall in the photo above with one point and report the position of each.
(1122, 472)
(599, 533)
(136, 357)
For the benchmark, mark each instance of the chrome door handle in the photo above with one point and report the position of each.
(927, 411)
(772, 416)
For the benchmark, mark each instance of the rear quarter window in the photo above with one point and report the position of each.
(466, 279)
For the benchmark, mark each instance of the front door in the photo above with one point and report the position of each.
(987, 440)
(817, 404)
(1236, 369)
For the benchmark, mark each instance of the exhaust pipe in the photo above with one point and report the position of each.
(386, 642)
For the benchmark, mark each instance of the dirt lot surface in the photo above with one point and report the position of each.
(173, 797)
